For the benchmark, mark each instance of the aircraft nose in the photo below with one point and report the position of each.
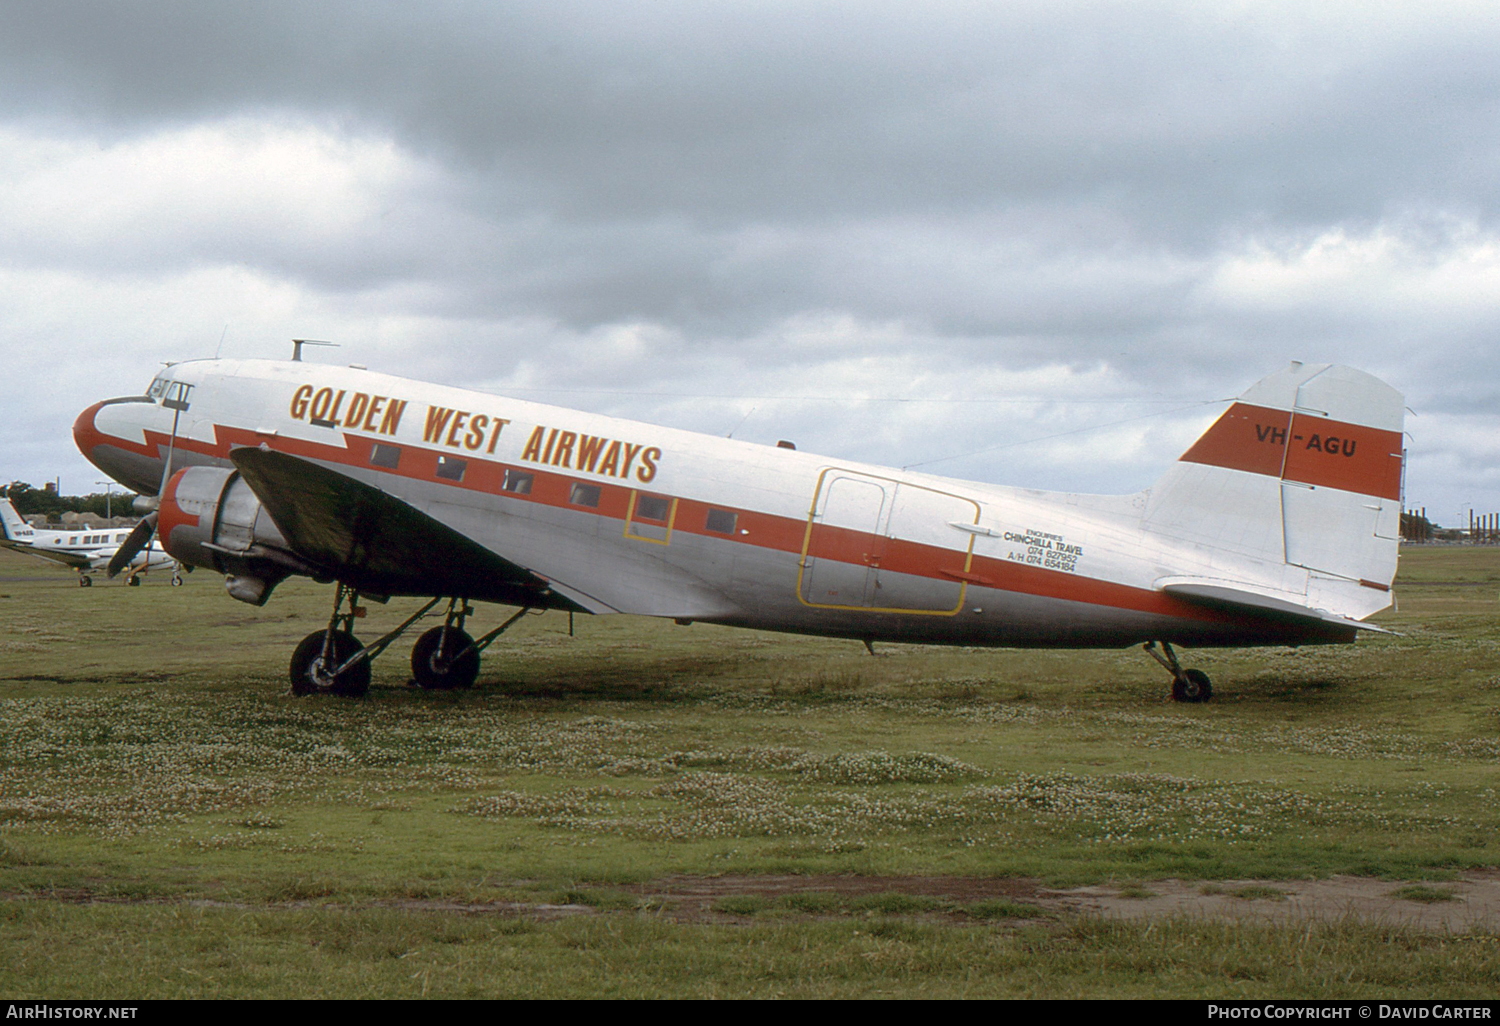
(112, 436)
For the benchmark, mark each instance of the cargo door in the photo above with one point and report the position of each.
(919, 569)
(843, 542)
(878, 544)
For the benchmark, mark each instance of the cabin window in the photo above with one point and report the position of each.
(451, 468)
(585, 495)
(652, 507)
(721, 521)
(517, 482)
(385, 456)
(650, 518)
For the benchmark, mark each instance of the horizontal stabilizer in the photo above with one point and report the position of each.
(377, 543)
(1232, 594)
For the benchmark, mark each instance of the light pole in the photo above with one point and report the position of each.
(108, 486)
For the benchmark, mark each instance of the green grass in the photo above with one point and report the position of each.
(1257, 892)
(129, 952)
(151, 758)
(1423, 893)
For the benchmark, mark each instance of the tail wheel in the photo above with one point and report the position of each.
(311, 674)
(433, 661)
(1192, 686)
(85, 582)
(134, 582)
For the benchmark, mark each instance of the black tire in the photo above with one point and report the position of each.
(134, 582)
(1192, 686)
(437, 670)
(176, 581)
(85, 582)
(309, 676)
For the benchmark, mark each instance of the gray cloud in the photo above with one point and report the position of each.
(1152, 203)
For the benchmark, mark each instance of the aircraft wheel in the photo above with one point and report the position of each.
(438, 670)
(134, 582)
(1192, 686)
(176, 580)
(85, 582)
(310, 675)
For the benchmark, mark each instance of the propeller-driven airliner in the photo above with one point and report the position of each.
(87, 551)
(1278, 526)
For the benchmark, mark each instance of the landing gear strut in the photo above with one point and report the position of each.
(1187, 685)
(445, 657)
(333, 661)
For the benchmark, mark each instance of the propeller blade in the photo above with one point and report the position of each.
(134, 542)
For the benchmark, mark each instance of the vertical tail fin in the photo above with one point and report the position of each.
(1296, 488)
(13, 529)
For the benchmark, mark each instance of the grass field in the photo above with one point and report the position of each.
(650, 810)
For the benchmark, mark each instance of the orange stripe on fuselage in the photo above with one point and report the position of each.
(1304, 448)
(763, 530)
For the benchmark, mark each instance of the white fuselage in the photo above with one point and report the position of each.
(85, 550)
(622, 516)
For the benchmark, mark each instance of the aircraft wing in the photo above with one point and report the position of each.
(377, 543)
(1225, 593)
(76, 560)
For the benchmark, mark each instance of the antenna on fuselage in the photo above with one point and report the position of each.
(298, 343)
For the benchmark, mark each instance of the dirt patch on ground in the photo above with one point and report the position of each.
(1468, 904)
(702, 897)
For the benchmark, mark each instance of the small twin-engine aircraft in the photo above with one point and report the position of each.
(1277, 527)
(86, 551)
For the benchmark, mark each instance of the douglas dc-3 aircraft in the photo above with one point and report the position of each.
(85, 551)
(1277, 527)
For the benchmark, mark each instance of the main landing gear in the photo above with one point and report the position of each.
(445, 657)
(333, 661)
(1187, 685)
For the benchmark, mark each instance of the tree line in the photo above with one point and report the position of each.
(30, 501)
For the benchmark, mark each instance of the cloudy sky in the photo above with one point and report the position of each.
(1025, 243)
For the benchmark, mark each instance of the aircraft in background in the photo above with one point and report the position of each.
(87, 551)
(1277, 527)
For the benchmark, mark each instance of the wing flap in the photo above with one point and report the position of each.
(378, 543)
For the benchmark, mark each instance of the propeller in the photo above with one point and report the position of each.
(141, 535)
(138, 538)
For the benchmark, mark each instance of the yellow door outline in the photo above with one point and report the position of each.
(630, 521)
(812, 513)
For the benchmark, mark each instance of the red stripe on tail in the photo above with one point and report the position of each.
(1303, 448)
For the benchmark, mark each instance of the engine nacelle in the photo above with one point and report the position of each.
(209, 517)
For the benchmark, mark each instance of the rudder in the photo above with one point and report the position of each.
(1304, 469)
(13, 528)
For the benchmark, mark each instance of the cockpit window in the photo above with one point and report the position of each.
(171, 394)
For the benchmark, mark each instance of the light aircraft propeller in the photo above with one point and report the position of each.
(140, 536)
(143, 533)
